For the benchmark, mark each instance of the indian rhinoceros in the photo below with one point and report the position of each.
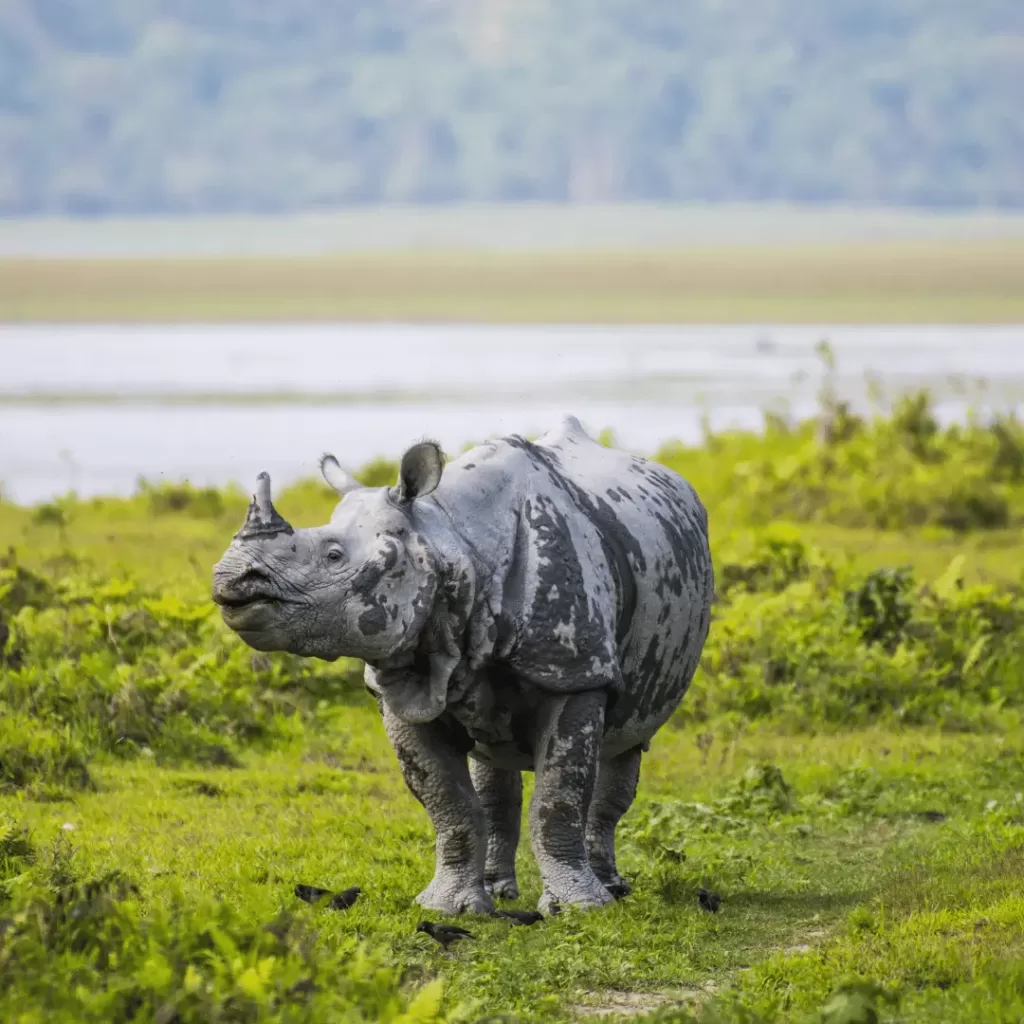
(532, 606)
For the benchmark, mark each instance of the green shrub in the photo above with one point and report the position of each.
(126, 670)
(897, 472)
(20, 588)
(769, 562)
(17, 855)
(91, 952)
(870, 648)
(34, 754)
(880, 605)
(181, 499)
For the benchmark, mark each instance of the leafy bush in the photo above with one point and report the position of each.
(91, 952)
(896, 472)
(116, 668)
(20, 588)
(181, 498)
(773, 560)
(880, 605)
(32, 753)
(660, 828)
(869, 648)
(17, 855)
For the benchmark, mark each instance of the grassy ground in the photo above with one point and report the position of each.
(883, 282)
(836, 885)
(869, 868)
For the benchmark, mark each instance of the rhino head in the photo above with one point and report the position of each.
(363, 586)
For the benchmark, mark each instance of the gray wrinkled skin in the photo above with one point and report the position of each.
(532, 607)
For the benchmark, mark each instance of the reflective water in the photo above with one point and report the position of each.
(93, 408)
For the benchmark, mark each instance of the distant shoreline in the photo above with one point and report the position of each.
(526, 227)
(882, 282)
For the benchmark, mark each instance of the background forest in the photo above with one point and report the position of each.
(187, 106)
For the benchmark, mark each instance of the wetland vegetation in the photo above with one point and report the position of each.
(847, 772)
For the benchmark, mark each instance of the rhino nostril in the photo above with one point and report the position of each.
(254, 575)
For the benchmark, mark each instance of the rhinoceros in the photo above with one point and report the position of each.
(530, 606)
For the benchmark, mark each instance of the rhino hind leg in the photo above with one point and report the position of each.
(501, 796)
(566, 764)
(437, 774)
(613, 795)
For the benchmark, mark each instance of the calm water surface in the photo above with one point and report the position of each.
(94, 408)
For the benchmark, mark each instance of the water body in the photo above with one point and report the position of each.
(93, 408)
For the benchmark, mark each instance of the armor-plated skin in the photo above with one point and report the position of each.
(537, 606)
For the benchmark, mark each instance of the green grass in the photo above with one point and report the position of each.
(847, 772)
(837, 881)
(878, 282)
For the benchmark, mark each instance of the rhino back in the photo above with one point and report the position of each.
(603, 566)
(651, 518)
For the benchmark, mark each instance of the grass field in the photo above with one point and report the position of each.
(847, 771)
(940, 281)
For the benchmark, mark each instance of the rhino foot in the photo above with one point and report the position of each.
(579, 891)
(502, 888)
(452, 897)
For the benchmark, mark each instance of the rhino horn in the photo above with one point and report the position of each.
(341, 480)
(262, 519)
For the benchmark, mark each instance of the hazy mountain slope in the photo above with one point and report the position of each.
(190, 105)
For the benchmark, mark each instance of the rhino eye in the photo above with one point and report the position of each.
(334, 556)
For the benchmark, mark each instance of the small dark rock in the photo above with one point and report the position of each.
(934, 816)
(445, 934)
(709, 901)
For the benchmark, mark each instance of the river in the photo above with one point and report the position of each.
(93, 408)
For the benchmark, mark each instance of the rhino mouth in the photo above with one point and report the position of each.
(236, 602)
(254, 587)
(253, 615)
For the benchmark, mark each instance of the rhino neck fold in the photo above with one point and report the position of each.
(414, 682)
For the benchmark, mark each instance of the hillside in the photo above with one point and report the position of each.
(140, 106)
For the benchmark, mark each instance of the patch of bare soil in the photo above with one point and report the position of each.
(617, 1003)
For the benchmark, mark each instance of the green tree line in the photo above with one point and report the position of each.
(188, 106)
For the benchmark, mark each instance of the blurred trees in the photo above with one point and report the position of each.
(123, 106)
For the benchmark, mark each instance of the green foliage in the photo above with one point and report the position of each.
(362, 102)
(181, 498)
(900, 471)
(662, 828)
(91, 952)
(378, 473)
(104, 665)
(862, 649)
(769, 561)
(21, 588)
(880, 605)
(49, 758)
(49, 514)
(856, 1002)
(846, 773)
(17, 855)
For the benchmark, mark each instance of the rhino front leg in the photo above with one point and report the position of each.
(501, 794)
(616, 788)
(438, 776)
(565, 762)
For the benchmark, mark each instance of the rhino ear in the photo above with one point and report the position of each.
(420, 471)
